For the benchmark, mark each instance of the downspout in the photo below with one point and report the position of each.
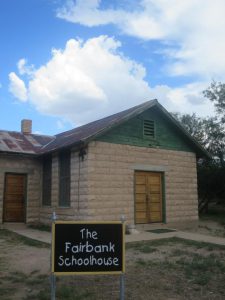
(81, 155)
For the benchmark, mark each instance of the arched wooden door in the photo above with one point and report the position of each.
(14, 207)
(148, 197)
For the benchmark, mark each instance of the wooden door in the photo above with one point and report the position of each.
(148, 197)
(14, 198)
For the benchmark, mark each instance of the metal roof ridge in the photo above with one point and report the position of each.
(139, 109)
(134, 110)
(53, 139)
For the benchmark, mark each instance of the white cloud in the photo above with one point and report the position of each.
(189, 99)
(84, 81)
(60, 124)
(17, 87)
(23, 68)
(186, 99)
(194, 29)
(64, 83)
(88, 13)
(89, 80)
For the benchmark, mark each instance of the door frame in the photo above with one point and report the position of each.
(163, 194)
(25, 196)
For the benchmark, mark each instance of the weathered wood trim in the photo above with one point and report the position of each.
(149, 168)
(17, 170)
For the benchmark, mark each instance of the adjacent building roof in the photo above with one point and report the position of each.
(17, 142)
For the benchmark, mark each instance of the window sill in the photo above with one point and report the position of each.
(64, 207)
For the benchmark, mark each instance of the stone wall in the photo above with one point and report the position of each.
(111, 180)
(102, 185)
(79, 191)
(30, 167)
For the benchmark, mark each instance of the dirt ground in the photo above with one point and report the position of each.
(208, 228)
(169, 269)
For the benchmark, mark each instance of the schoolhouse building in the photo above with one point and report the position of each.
(140, 163)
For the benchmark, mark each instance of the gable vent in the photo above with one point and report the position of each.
(149, 128)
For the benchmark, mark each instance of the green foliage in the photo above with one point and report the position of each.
(14, 238)
(211, 179)
(198, 268)
(215, 139)
(194, 125)
(147, 249)
(173, 241)
(217, 215)
(210, 133)
(211, 174)
(216, 94)
(71, 293)
(40, 226)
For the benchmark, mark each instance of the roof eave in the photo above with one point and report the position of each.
(200, 149)
(18, 153)
(77, 144)
(117, 123)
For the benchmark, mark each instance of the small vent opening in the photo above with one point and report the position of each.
(149, 128)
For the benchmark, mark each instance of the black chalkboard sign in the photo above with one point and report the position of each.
(87, 248)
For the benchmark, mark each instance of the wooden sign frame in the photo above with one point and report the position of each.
(88, 248)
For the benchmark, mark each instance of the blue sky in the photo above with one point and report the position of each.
(65, 63)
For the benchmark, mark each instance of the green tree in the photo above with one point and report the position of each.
(216, 126)
(193, 124)
(216, 94)
(209, 132)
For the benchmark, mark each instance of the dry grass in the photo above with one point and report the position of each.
(162, 269)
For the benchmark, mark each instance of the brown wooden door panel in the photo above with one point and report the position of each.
(14, 205)
(148, 197)
(14, 179)
(14, 198)
(153, 180)
(140, 179)
(15, 190)
(154, 189)
(141, 217)
(155, 217)
(155, 207)
(140, 189)
(141, 206)
(13, 216)
(156, 199)
(140, 198)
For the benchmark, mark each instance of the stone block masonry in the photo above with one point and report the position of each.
(30, 167)
(111, 170)
(102, 185)
(79, 191)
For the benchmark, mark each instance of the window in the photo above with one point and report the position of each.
(46, 181)
(149, 129)
(64, 179)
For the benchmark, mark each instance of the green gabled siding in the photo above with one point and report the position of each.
(167, 136)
